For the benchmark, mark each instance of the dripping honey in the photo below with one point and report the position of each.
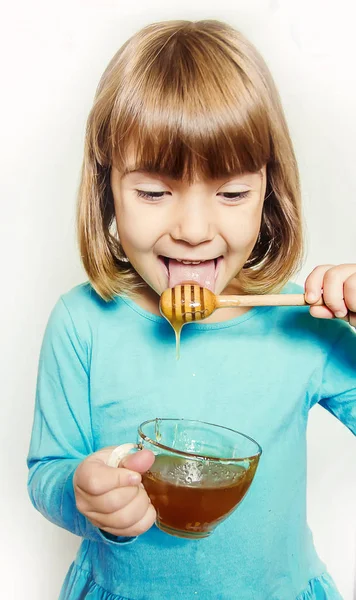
(187, 304)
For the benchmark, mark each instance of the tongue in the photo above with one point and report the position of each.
(202, 274)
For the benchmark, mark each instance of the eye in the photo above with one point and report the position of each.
(150, 195)
(233, 196)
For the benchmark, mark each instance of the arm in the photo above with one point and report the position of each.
(337, 284)
(62, 436)
(338, 385)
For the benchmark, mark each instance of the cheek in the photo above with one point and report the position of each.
(243, 229)
(135, 231)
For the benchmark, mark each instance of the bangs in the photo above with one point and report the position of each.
(188, 110)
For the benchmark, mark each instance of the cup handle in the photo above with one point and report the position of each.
(119, 453)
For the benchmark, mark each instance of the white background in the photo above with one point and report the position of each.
(52, 56)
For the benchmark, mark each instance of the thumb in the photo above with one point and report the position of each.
(140, 461)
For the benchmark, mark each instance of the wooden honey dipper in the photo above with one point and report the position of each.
(190, 302)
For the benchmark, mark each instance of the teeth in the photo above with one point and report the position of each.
(186, 262)
(190, 262)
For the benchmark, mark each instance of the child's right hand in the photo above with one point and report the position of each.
(114, 499)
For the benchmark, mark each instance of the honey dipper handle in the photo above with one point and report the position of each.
(265, 300)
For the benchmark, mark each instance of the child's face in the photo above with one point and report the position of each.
(198, 222)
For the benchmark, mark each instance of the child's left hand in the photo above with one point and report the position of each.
(337, 284)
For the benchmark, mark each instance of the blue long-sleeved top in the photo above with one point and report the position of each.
(106, 367)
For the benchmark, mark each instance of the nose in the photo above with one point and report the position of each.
(194, 222)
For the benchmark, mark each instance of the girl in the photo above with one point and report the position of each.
(188, 174)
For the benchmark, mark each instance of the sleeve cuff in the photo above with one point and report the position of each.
(115, 539)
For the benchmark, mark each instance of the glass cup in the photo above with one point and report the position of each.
(200, 474)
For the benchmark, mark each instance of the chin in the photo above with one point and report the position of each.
(158, 287)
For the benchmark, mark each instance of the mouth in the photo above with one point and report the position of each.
(201, 272)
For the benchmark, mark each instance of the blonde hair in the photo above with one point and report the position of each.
(191, 98)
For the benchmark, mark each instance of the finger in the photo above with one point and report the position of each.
(321, 312)
(125, 517)
(96, 478)
(106, 503)
(104, 453)
(350, 292)
(138, 528)
(140, 462)
(314, 283)
(333, 290)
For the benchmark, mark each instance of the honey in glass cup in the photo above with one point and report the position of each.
(200, 474)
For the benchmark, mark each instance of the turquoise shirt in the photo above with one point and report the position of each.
(106, 367)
